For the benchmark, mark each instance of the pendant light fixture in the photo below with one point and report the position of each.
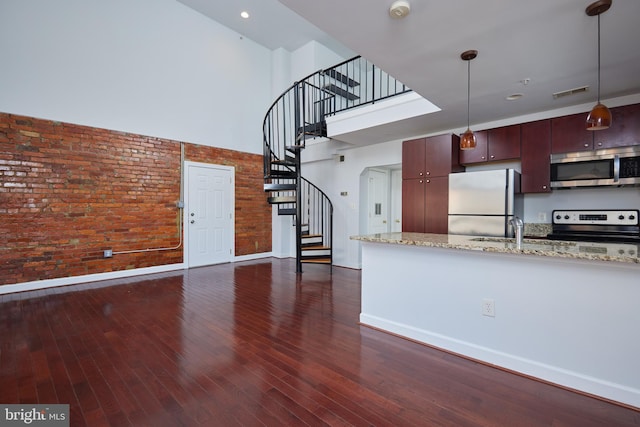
(468, 139)
(600, 117)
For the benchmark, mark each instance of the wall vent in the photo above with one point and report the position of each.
(570, 92)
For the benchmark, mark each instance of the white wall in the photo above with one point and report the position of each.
(334, 177)
(153, 67)
(572, 322)
(312, 57)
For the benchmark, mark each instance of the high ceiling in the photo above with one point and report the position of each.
(549, 44)
(270, 24)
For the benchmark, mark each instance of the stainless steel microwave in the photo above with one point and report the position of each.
(610, 166)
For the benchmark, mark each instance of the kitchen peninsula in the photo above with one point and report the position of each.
(564, 312)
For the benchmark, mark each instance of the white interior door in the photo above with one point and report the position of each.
(378, 202)
(209, 214)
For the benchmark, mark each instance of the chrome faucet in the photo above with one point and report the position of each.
(518, 226)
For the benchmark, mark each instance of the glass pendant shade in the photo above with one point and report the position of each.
(468, 140)
(599, 118)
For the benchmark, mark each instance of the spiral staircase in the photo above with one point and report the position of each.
(298, 115)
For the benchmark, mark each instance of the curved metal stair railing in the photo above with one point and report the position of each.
(298, 115)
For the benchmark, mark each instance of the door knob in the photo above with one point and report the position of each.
(193, 221)
(193, 214)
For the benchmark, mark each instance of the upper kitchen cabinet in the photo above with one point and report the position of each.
(504, 143)
(442, 155)
(569, 133)
(432, 156)
(536, 152)
(497, 144)
(478, 154)
(624, 130)
(414, 158)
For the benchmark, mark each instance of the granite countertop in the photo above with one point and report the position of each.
(617, 252)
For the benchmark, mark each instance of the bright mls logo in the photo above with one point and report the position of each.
(34, 415)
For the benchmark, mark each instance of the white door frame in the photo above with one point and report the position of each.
(385, 202)
(185, 222)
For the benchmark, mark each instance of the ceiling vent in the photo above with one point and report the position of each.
(573, 91)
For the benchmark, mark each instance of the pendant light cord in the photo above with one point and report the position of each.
(469, 92)
(598, 58)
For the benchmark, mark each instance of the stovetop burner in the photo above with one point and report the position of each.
(607, 226)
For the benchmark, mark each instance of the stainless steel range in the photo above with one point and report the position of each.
(609, 226)
(604, 232)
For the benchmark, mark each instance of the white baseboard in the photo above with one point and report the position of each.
(548, 373)
(64, 281)
(253, 256)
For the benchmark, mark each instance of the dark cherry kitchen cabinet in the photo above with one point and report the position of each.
(504, 143)
(493, 145)
(413, 205)
(569, 133)
(432, 156)
(436, 215)
(426, 164)
(536, 151)
(478, 154)
(425, 205)
(624, 130)
(414, 160)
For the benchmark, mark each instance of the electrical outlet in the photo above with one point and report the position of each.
(488, 307)
(542, 216)
(108, 253)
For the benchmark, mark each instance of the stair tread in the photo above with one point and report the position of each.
(337, 75)
(309, 236)
(317, 261)
(281, 200)
(287, 211)
(313, 129)
(274, 173)
(286, 160)
(341, 92)
(316, 248)
(279, 187)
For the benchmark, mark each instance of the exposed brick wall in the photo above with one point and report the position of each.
(67, 192)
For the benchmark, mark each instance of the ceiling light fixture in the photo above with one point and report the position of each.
(468, 139)
(399, 9)
(244, 14)
(600, 117)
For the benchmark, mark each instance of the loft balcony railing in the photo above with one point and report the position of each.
(358, 82)
(300, 112)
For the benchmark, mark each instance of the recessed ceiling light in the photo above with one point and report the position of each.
(244, 14)
(514, 96)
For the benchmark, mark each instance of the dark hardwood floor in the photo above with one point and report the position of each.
(249, 344)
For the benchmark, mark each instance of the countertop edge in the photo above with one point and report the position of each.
(461, 242)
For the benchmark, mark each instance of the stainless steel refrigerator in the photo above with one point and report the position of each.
(481, 203)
